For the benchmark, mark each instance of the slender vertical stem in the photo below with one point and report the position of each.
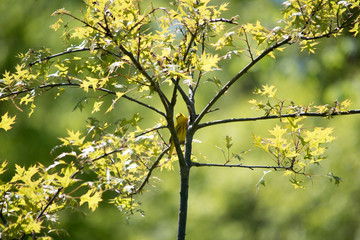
(184, 193)
(185, 165)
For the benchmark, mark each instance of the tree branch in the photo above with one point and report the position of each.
(293, 115)
(231, 20)
(136, 63)
(155, 164)
(60, 54)
(182, 93)
(85, 23)
(257, 59)
(54, 85)
(3, 219)
(48, 204)
(151, 130)
(139, 67)
(196, 164)
(174, 96)
(236, 77)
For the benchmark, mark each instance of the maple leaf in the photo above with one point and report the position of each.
(91, 198)
(7, 121)
(74, 138)
(91, 83)
(2, 167)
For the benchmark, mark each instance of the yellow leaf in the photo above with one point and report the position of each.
(81, 32)
(74, 138)
(268, 91)
(91, 82)
(288, 173)
(97, 106)
(223, 7)
(32, 108)
(321, 109)
(253, 101)
(110, 108)
(67, 179)
(21, 72)
(319, 135)
(209, 62)
(272, 55)
(345, 104)
(19, 173)
(92, 198)
(56, 25)
(27, 99)
(258, 142)
(7, 77)
(33, 226)
(278, 132)
(2, 167)
(29, 174)
(298, 186)
(119, 95)
(60, 11)
(7, 121)
(355, 29)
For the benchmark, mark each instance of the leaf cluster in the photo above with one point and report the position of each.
(292, 145)
(32, 198)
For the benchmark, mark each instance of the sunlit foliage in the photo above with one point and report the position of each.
(125, 52)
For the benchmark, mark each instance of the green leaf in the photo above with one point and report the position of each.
(337, 180)
(80, 104)
(262, 179)
(228, 140)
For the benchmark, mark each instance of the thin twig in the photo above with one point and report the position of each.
(85, 23)
(231, 20)
(196, 164)
(151, 130)
(155, 164)
(104, 155)
(248, 46)
(49, 203)
(60, 54)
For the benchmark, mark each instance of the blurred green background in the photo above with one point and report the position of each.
(223, 203)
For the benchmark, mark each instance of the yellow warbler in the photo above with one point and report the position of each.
(180, 128)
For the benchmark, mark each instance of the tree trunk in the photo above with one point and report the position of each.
(184, 191)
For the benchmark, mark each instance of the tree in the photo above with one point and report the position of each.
(158, 58)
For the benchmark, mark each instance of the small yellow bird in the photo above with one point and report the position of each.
(180, 128)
